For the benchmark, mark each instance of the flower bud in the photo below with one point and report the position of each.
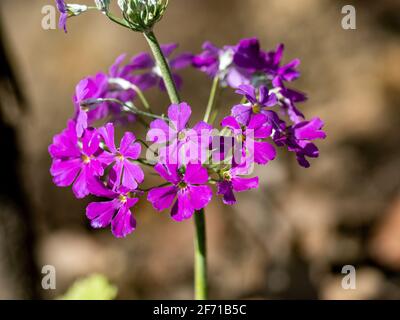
(76, 9)
(103, 5)
(141, 15)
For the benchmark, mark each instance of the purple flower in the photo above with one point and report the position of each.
(75, 161)
(114, 85)
(187, 188)
(115, 212)
(151, 75)
(249, 56)
(182, 144)
(62, 8)
(287, 72)
(232, 182)
(219, 62)
(124, 172)
(287, 98)
(249, 135)
(90, 88)
(258, 101)
(298, 139)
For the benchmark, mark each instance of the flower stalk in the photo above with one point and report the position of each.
(200, 258)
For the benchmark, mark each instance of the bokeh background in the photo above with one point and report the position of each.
(291, 237)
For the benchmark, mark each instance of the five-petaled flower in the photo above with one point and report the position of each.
(74, 159)
(180, 144)
(123, 172)
(188, 188)
(116, 211)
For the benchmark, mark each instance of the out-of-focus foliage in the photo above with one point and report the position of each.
(93, 287)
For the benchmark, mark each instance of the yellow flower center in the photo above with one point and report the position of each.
(119, 156)
(182, 185)
(122, 198)
(256, 108)
(181, 135)
(85, 158)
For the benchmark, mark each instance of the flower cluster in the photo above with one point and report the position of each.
(190, 159)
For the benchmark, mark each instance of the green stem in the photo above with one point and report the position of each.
(212, 98)
(163, 65)
(130, 107)
(200, 259)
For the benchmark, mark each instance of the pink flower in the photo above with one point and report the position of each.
(187, 188)
(232, 182)
(116, 212)
(124, 172)
(74, 160)
(250, 135)
(182, 144)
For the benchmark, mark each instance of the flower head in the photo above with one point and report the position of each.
(116, 211)
(151, 74)
(298, 139)
(250, 137)
(75, 160)
(141, 15)
(123, 171)
(187, 187)
(258, 100)
(180, 143)
(68, 10)
(231, 181)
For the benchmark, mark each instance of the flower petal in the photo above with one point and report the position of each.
(161, 198)
(124, 222)
(200, 196)
(101, 213)
(243, 184)
(132, 175)
(195, 174)
(182, 208)
(168, 172)
(179, 115)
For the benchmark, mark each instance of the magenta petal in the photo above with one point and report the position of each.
(160, 131)
(65, 172)
(168, 48)
(168, 172)
(200, 196)
(242, 113)
(310, 130)
(107, 133)
(142, 61)
(132, 151)
(161, 198)
(123, 223)
(97, 188)
(115, 175)
(231, 123)
(225, 188)
(101, 213)
(80, 187)
(195, 174)
(202, 127)
(179, 114)
(81, 122)
(263, 152)
(65, 144)
(90, 142)
(243, 184)
(182, 208)
(181, 61)
(133, 175)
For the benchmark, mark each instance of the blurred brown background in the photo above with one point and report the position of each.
(290, 238)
